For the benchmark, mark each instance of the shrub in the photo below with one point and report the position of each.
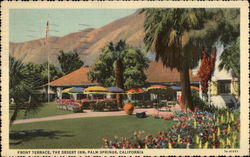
(97, 106)
(198, 102)
(111, 105)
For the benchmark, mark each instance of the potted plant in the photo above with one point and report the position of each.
(128, 108)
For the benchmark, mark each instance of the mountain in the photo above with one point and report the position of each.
(87, 43)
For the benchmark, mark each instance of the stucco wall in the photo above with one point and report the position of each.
(213, 88)
(234, 87)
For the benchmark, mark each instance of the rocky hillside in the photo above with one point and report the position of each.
(87, 42)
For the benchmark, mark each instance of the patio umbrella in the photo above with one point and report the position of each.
(115, 90)
(159, 89)
(155, 90)
(177, 88)
(95, 90)
(76, 90)
(66, 90)
(135, 91)
(195, 88)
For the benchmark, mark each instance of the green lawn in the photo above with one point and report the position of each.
(81, 132)
(47, 109)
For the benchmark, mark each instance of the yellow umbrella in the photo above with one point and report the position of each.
(95, 89)
(66, 90)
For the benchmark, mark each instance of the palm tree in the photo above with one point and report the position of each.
(178, 36)
(230, 59)
(123, 68)
(21, 88)
(118, 51)
(120, 65)
(167, 33)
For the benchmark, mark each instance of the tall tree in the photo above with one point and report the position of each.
(118, 51)
(39, 72)
(22, 88)
(54, 72)
(69, 61)
(133, 60)
(167, 34)
(120, 65)
(178, 36)
(230, 59)
(135, 63)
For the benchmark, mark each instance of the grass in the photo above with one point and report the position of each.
(81, 132)
(46, 110)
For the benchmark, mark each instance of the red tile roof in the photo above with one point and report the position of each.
(155, 73)
(77, 77)
(158, 73)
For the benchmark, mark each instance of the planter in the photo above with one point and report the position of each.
(128, 108)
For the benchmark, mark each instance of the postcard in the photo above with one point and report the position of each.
(142, 78)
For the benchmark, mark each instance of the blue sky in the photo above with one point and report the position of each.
(29, 24)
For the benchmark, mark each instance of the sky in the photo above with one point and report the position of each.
(29, 24)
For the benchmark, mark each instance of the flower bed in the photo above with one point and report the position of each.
(69, 104)
(193, 130)
(93, 104)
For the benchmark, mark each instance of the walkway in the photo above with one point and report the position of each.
(87, 113)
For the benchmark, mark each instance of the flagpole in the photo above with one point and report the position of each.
(47, 35)
(48, 79)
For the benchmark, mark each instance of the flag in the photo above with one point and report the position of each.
(46, 32)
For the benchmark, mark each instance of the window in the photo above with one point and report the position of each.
(224, 86)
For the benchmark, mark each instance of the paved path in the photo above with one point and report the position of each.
(87, 113)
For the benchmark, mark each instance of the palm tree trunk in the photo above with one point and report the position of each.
(185, 88)
(119, 80)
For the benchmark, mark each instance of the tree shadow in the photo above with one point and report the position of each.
(19, 137)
